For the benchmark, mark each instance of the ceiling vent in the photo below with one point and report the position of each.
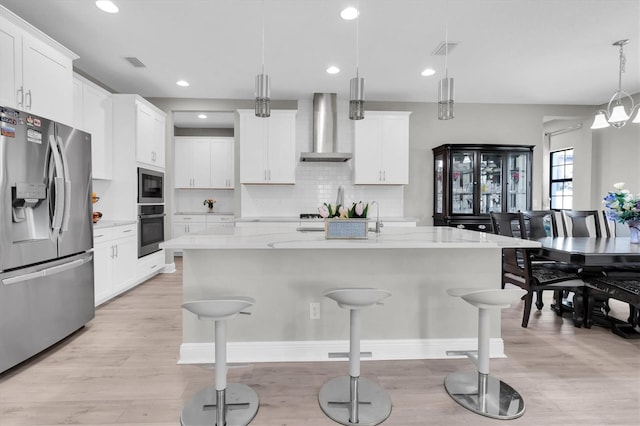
(443, 48)
(135, 62)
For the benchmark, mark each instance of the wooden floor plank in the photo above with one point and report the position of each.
(121, 369)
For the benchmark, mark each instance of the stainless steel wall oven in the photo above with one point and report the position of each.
(150, 228)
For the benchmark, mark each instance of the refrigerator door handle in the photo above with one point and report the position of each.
(67, 186)
(59, 185)
(47, 271)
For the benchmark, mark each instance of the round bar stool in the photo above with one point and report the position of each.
(232, 404)
(477, 391)
(354, 400)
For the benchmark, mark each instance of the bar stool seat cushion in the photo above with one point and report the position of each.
(357, 298)
(219, 308)
(488, 298)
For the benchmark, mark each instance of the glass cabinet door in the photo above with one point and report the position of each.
(490, 182)
(439, 185)
(462, 182)
(517, 186)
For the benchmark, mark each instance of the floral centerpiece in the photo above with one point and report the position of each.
(343, 222)
(209, 202)
(357, 210)
(623, 207)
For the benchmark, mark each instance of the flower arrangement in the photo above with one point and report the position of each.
(515, 175)
(622, 206)
(357, 210)
(209, 202)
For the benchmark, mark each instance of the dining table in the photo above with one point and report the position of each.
(613, 256)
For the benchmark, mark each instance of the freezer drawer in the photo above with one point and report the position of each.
(43, 304)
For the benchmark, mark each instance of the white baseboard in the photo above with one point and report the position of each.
(169, 268)
(299, 351)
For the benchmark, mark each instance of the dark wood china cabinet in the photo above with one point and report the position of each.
(472, 180)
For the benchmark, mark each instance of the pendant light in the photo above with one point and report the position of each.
(356, 84)
(445, 87)
(263, 84)
(617, 116)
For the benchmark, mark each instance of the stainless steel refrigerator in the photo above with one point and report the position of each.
(46, 234)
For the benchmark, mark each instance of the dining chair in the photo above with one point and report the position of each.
(613, 228)
(518, 269)
(540, 223)
(581, 223)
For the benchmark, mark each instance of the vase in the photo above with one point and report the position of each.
(210, 210)
(634, 232)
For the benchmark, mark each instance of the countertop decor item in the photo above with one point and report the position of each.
(623, 207)
(209, 202)
(97, 216)
(358, 210)
(94, 198)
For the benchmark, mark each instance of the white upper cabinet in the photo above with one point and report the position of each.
(381, 148)
(267, 147)
(150, 135)
(204, 162)
(192, 162)
(36, 73)
(93, 113)
(222, 161)
(140, 124)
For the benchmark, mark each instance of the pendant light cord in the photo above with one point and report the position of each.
(446, 39)
(621, 69)
(262, 36)
(358, 40)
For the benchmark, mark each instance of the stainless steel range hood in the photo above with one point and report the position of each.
(324, 131)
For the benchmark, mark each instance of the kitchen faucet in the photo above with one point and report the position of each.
(340, 198)
(378, 221)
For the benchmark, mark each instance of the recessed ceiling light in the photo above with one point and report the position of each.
(428, 72)
(182, 83)
(202, 116)
(349, 13)
(333, 70)
(107, 6)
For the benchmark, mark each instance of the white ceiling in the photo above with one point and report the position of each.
(510, 51)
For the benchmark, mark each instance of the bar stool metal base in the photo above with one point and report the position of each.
(241, 405)
(334, 399)
(498, 400)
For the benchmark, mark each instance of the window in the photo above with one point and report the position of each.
(562, 179)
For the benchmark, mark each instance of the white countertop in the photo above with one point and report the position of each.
(276, 219)
(110, 223)
(266, 237)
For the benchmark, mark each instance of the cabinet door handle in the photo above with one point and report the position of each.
(113, 251)
(28, 96)
(265, 175)
(384, 175)
(269, 174)
(127, 230)
(117, 251)
(20, 97)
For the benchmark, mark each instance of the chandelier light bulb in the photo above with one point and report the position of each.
(600, 121)
(618, 115)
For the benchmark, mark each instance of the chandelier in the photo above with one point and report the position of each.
(616, 114)
(356, 84)
(445, 87)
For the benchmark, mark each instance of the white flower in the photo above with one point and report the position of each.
(359, 209)
(344, 213)
(324, 211)
(618, 185)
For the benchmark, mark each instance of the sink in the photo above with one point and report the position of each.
(310, 229)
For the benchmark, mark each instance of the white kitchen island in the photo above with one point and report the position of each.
(286, 271)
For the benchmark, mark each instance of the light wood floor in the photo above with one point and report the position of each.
(121, 370)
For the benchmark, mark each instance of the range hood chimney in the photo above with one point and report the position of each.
(324, 131)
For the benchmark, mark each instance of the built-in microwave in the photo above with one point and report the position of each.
(150, 186)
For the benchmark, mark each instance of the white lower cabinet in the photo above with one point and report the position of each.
(115, 254)
(187, 224)
(150, 265)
